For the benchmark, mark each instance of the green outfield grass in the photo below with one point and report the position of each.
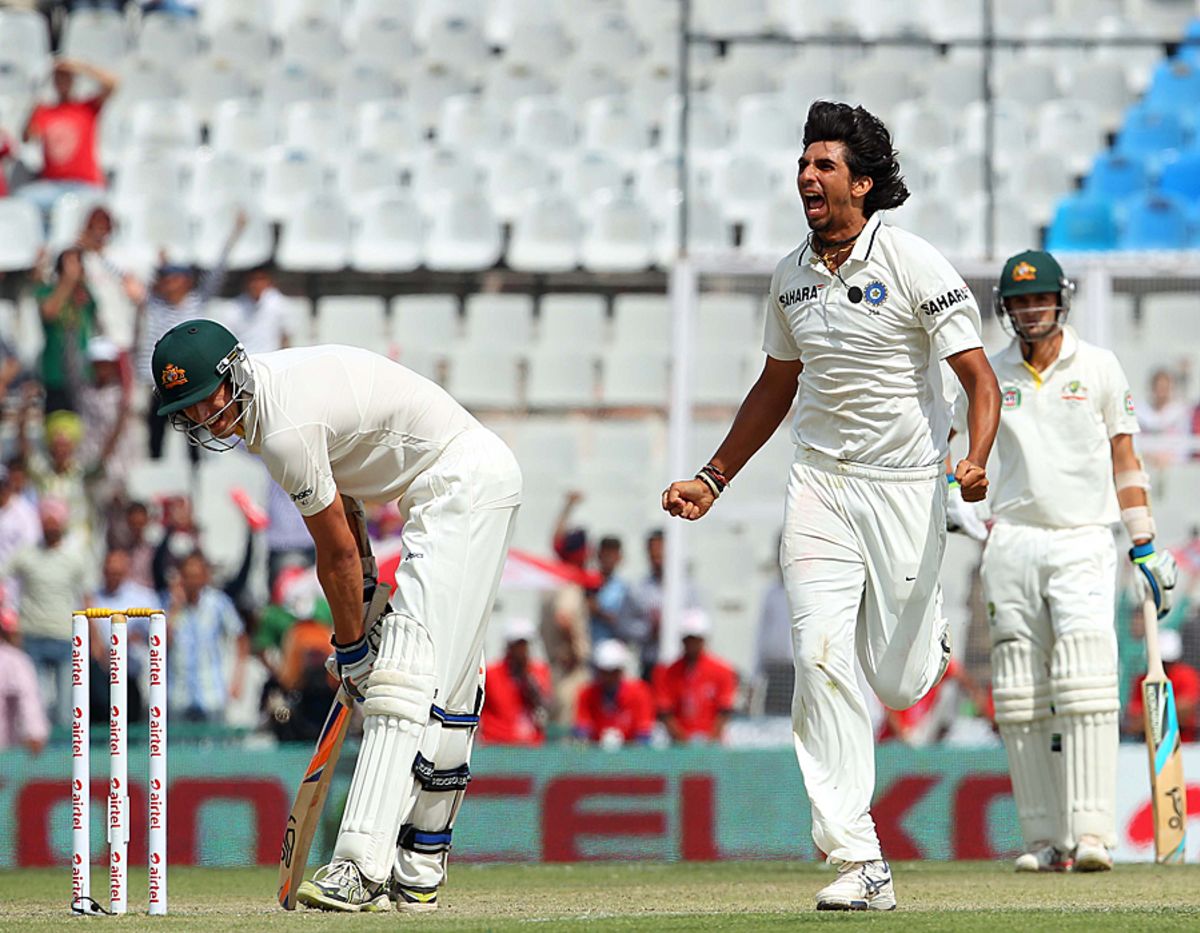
(969, 896)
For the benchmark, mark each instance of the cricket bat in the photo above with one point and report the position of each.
(310, 800)
(1168, 792)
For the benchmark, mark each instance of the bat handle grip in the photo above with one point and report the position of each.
(1154, 665)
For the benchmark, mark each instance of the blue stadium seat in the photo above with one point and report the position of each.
(1175, 84)
(1182, 176)
(1115, 176)
(1150, 131)
(1156, 222)
(1082, 222)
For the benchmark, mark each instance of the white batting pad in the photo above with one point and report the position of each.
(396, 708)
(1083, 676)
(1021, 690)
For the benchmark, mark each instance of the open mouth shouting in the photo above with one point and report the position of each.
(816, 208)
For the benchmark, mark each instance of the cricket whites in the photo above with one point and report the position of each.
(1168, 792)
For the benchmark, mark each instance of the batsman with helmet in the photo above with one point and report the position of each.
(334, 422)
(1065, 471)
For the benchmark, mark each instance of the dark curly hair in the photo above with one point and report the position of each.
(869, 150)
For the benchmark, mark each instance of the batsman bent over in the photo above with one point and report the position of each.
(334, 421)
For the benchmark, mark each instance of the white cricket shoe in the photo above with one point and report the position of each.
(411, 899)
(341, 886)
(1043, 857)
(1092, 855)
(859, 886)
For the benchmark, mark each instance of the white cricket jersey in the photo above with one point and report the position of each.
(1051, 465)
(334, 419)
(871, 389)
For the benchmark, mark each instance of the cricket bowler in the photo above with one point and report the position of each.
(859, 315)
(333, 421)
(1065, 471)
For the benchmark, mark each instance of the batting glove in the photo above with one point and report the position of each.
(1157, 572)
(961, 515)
(351, 664)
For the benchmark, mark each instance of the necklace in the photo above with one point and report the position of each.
(834, 253)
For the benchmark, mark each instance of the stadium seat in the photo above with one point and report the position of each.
(68, 215)
(568, 320)
(217, 177)
(24, 41)
(152, 226)
(1174, 86)
(1071, 130)
(287, 174)
(1103, 84)
(708, 230)
(880, 87)
(289, 82)
(1155, 221)
(728, 321)
(958, 174)
(779, 229)
(484, 378)
(562, 378)
(922, 126)
(387, 126)
(808, 77)
(613, 125)
(718, 17)
(312, 41)
(20, 234)
(316, 234)
(148, 175)
(168, 40)
(507, 82)
(359, 83)
(316, 127)
(1037, 180)
(633, 377)
(586, 172)
(546, 235)
(430, 84)
(464, 236)
(365, 175)
(514, 176)
(1116, 177)
(767, 127)
(543, 125)
(1181, 177)
(743, 184)
(95, 36)
(440, 173)
(740, 72)
(1014, 227)
(1173, 313)
(285, 14)
(353, 320)
(1011, 126)
(163, 125)
(708, 129)
(604, 37)
(426, 322)
(641, 321)
(454, 40)
(215, 220)
(384, 41)
(1082, 222)
(959, 82)
(657, 180)
(468, 123)
(539, 44)
(583, 82)
(932, 217)
(243, 43)
(245, 128)
(499, 320)
(720, 376)
(1027, 82)
(1150, 133)
(209, 81)
(389, 235)
(620, 235)
(16, 83)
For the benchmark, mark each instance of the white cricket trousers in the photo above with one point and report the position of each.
(860, 555)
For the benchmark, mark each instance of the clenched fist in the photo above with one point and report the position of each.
(688, 498)
(972, 479)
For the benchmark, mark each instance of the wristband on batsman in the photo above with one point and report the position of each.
(951, 480)
(351, 653)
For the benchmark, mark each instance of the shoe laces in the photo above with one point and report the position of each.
(340, 872)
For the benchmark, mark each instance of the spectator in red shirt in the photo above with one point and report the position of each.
(67, 130)
(518, 690)
(614, 709)
(1185, 680)
(695, 694)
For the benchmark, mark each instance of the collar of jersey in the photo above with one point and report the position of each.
(862, 246)
(1013, 358)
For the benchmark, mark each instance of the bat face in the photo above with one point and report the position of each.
(310, 798)
(1167, 789)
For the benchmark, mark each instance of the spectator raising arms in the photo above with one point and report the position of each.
(68, 312)
(260, 315)
(67, 130)
(614, 709)
(695, 694)
(518, 691)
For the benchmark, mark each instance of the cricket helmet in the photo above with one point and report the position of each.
(1032, 272)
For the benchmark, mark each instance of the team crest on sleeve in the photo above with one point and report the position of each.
(875, 293)
(1010, 397)
(1129, 403)
(173, 376)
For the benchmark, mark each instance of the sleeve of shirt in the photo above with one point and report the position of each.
(585, 723)
(727, 695)
(941, 301)
(231, 622)
(1117, 406)
(778, 341)
(958, 410)
(644, 716)
(298, 460)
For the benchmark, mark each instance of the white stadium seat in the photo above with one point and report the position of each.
(387, 126)
(767, 126)
(1027, 82)
(1071, 128)
(151, 227)
(484, 378)
(779, 229)
(360, 82)
(163, 124)
(365, 175)
(641, 321)
(24, 40)
(633, 378)
(586, 172)
(288, 82)
(389, 235)
(312, 41)
(743, 184)
(543, 44)
(561, 378)
(427, 322)
(20, 234)
(209, 81)
(288, 174)
(922, 125)
(1104, 84)
(880, 87)
(215, 220)
(582, 82)
(353, 320)
(440, 174)
(244, 127)
(546, 235)
(464, 235)
(316, 235)
(468, 122)
(708, 230)
(429, 85)
(95, 36)
(499, 320)
(167, 39)
(149, 175)
(242, 43)
(219, 177)
(68, 215)
(708, 128)
(620, 235)
(515, 176)
(720, 376)
(386, 42)
(507, 82)
(316, 127)
(543, 125)
(613, 125)
(729, 320)
(571, 320)
(606, 37)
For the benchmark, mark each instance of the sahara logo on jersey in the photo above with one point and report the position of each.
(796, 295)
(948, 300)
(1075, 391)
(1010, 397)
(173, 376)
